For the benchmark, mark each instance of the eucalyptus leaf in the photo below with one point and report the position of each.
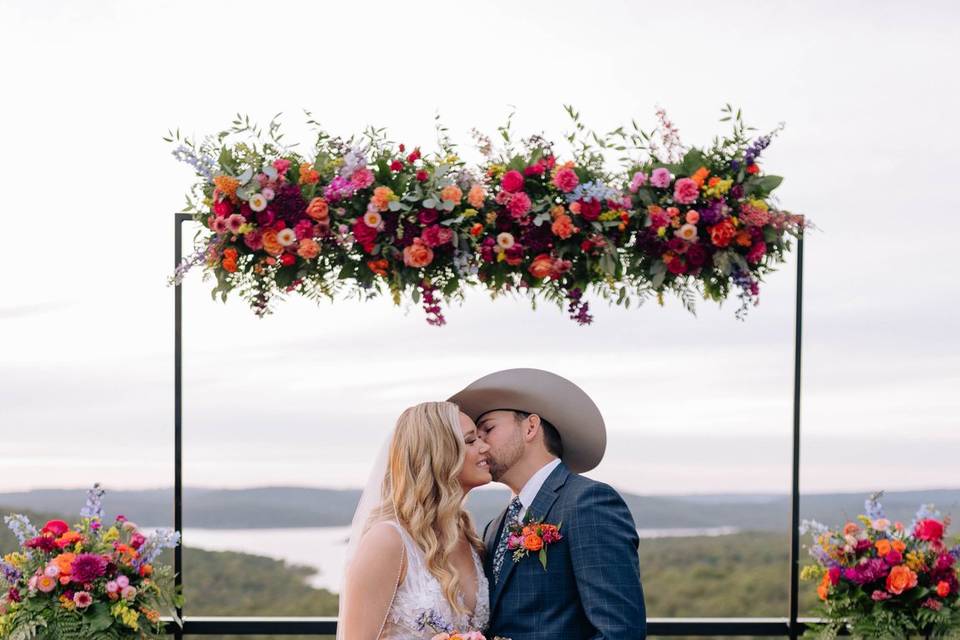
(394, 205)
(430, 203)
(244, 177)
(270, 171)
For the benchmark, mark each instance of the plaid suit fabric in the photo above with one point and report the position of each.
(591, 589)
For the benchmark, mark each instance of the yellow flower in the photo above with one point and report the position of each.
(662, 231)
(759, 204)
(112, 534)
(811, 572)
(18, 560)
(452, 159)
(719, 189)
(915, 561)
(469, 213)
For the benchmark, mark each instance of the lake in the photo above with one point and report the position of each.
(322, 548)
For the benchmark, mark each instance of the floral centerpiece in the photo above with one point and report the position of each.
(883, 579)
(92, 580)
(366, 216)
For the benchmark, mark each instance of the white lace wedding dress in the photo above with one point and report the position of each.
(419, 611)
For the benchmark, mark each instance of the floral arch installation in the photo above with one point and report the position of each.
(365, 217)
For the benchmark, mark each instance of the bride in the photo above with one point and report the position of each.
(413, 562)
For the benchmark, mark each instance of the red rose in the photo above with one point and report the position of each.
(427, 216)
(55, 527)
(512, 181)
(223, 208)
(396, 165)
(677, 266)
(364, 234)
(752, 169)
(590, 209)
(722, 233)
(402, 148)
(535, 169)
(288, 259)
(413, 157)
(929, 530)
(422, 175)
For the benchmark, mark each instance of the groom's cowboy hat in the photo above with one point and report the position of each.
(555, 399)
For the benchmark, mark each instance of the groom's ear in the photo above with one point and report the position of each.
(534, 426)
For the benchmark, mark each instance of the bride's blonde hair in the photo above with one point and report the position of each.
(422, 491)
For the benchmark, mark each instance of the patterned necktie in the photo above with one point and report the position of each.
(511, 517)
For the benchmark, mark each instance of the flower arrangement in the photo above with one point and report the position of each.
(94, 579)
(532, 537)
(365, 216)
(879, 578)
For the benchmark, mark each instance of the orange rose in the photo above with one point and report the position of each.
(308, 249)
(146, 570)
(318, 209)
(382, 197)
(563, 227)
(542, 266)
(476, 229)
(451, 193)
(883, 547)
(270, 243)
(900, 579)
(744, 239)
(476, 196)
(379, 267)
(308, 175)
(850, 528)
(64, 562)
(229, 265)
(532, 542)
(943, 588)
(899, 545)
(417, 254)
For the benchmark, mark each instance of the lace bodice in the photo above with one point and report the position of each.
(419, 610)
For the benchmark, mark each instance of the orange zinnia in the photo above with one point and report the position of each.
(823, 589)
(227, 185)
(700, 175)
(883, 547)
(899, 545)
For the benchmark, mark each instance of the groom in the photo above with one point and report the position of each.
(542, 431)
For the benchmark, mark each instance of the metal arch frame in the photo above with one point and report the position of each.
(791, 626)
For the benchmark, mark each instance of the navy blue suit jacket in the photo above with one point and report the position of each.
(591, 589)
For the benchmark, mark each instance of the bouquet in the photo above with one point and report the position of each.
(366, 216)
(883, 579)
(91, 580)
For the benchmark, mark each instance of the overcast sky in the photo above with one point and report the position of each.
(693, 404)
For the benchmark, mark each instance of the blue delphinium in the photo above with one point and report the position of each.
(94, 506)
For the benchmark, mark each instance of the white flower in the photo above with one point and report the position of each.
(372, 219)
(268, 193)
(687, 232)
(505, 240)
(258, 202)
(286, 237)
(880, 524)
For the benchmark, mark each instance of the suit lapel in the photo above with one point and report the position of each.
(539, 510)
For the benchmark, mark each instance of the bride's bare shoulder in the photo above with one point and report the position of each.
(382, 535)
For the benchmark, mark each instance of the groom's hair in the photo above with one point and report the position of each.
(551, 437)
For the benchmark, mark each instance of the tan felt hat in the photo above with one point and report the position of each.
(565, 405)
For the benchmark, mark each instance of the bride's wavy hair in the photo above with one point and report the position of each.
(421, 489)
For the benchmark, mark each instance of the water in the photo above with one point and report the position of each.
(322, 548)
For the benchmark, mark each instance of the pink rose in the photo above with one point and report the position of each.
(253, 240)
(519, 205)
(362, 178)
(660, 178)
(281, 165)
(685, 191)
(639, 179)
(566, 180)
(303, 229)
(512, 181)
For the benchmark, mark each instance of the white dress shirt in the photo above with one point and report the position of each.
(533, 486)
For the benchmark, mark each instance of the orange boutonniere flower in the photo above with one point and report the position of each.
(532, 537)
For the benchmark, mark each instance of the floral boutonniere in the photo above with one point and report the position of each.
(532, 537)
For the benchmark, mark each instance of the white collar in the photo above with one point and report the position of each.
(534, 484)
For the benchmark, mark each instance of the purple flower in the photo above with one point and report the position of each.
(289, 205)
(9, 573)
(870, 571)
(87, 567)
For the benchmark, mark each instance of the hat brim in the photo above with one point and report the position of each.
(554, 398)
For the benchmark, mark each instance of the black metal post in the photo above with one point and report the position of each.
(179, 219)
(795, 491)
